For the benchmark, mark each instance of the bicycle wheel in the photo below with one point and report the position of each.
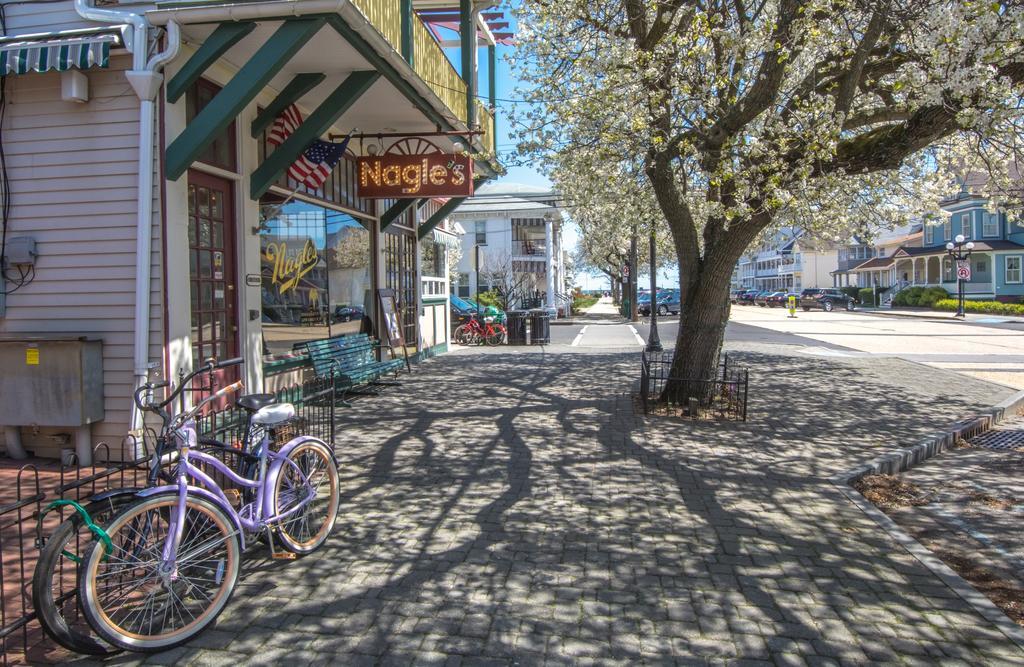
(459, 335)
(130, 603)
(496, 336)
(304, 531)
(54, 589)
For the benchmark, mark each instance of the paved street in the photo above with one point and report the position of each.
(502, 507)
(988, 348)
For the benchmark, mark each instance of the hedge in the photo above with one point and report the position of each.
(920, 296)
(988, 307)
(866, 296)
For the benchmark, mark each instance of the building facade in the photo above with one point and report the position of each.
(513, 243)
(150, 211)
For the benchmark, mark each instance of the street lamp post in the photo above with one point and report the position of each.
(653, 340)
(959, 250)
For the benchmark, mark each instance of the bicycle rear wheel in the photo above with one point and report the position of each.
(54, 586)
(304, 531)
(130, 603)
(496, 336)
(460, 335)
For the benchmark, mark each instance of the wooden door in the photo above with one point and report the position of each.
(212, 272)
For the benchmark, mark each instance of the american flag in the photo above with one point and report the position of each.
(316, 162)
(284, 125)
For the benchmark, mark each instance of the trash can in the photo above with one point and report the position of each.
(516, 325)
(540, 327)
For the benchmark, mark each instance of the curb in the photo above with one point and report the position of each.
(906, 458)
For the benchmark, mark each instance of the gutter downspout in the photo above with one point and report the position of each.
(146, 80)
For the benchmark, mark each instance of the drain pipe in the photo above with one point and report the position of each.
(145, 79)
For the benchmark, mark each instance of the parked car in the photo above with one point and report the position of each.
(828, 299)
(347, 313)
(761, 298)
(746, 297)
(669, 302)
(734, 295)
(776, 299)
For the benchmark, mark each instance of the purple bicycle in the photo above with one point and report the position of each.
(172, 560)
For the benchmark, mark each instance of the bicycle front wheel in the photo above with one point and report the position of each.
(309, 472)
(460, 335)
(130, 602)
(54, 586)
(496, 336)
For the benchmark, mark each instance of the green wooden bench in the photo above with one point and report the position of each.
(352, 360)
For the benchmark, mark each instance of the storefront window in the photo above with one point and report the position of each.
(315, 270)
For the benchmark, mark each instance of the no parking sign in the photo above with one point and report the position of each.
(963, 271)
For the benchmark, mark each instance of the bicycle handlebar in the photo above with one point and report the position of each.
(210, 366)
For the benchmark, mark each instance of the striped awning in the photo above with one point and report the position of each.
(59, 53)
(446, 238)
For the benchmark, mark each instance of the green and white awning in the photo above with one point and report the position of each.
(446, 238)
(58, 52)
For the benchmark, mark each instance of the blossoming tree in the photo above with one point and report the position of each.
(747, 113)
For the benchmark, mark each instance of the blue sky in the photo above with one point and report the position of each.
(507, 94)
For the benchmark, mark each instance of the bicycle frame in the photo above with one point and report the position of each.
(252, 516)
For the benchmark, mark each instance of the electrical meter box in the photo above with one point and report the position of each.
(51, 381)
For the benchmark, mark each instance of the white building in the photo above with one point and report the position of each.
(518, 230)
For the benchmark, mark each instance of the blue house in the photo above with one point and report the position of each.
(997, 263)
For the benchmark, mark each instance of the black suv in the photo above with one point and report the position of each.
(828, 299)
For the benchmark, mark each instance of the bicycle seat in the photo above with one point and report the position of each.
(253, 402)
(272, 415)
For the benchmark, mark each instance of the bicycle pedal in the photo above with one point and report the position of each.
(283, 555)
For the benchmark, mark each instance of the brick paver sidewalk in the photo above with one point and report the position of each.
(501, 508)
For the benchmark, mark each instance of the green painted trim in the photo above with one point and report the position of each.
(423, 355)
(467, 37)
(289, 95)
(240, 91)
(492, 84)
(434, 302)
(318, 122)
(220, 40)
(396, 210)
(435, 220)
(390, 73)
(446, 208)
(278, 366)
(408, 51)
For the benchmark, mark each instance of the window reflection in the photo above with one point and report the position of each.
(315, 273)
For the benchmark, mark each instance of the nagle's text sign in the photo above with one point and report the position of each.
(408, 176)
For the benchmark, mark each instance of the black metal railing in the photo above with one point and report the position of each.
(22, 640)
(721, 397)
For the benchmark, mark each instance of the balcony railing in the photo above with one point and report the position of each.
(433, 288)
(529, 248)
(428, 58)
(487, 125)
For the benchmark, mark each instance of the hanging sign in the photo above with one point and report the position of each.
(413, 176)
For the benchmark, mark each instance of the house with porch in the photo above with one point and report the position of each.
(879, 268)
(152, 216)
(996, 261)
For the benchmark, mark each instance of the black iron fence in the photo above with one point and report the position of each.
(721, 397)
(36, 486)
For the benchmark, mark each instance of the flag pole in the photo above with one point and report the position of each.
(347, 138)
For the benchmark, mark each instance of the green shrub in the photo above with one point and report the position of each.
(987, 307)
(908, 296)
(930, 295)
(850, 291)
(489, 298)
(866, 296)
(920, 296)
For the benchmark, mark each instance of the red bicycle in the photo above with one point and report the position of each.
(475, 333)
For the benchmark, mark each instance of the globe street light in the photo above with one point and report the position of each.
(959, 251)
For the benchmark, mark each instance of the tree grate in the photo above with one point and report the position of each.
(1000, 439)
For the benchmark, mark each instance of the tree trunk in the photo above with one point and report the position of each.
(703, 318)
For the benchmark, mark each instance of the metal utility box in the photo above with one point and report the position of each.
(51, 381)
